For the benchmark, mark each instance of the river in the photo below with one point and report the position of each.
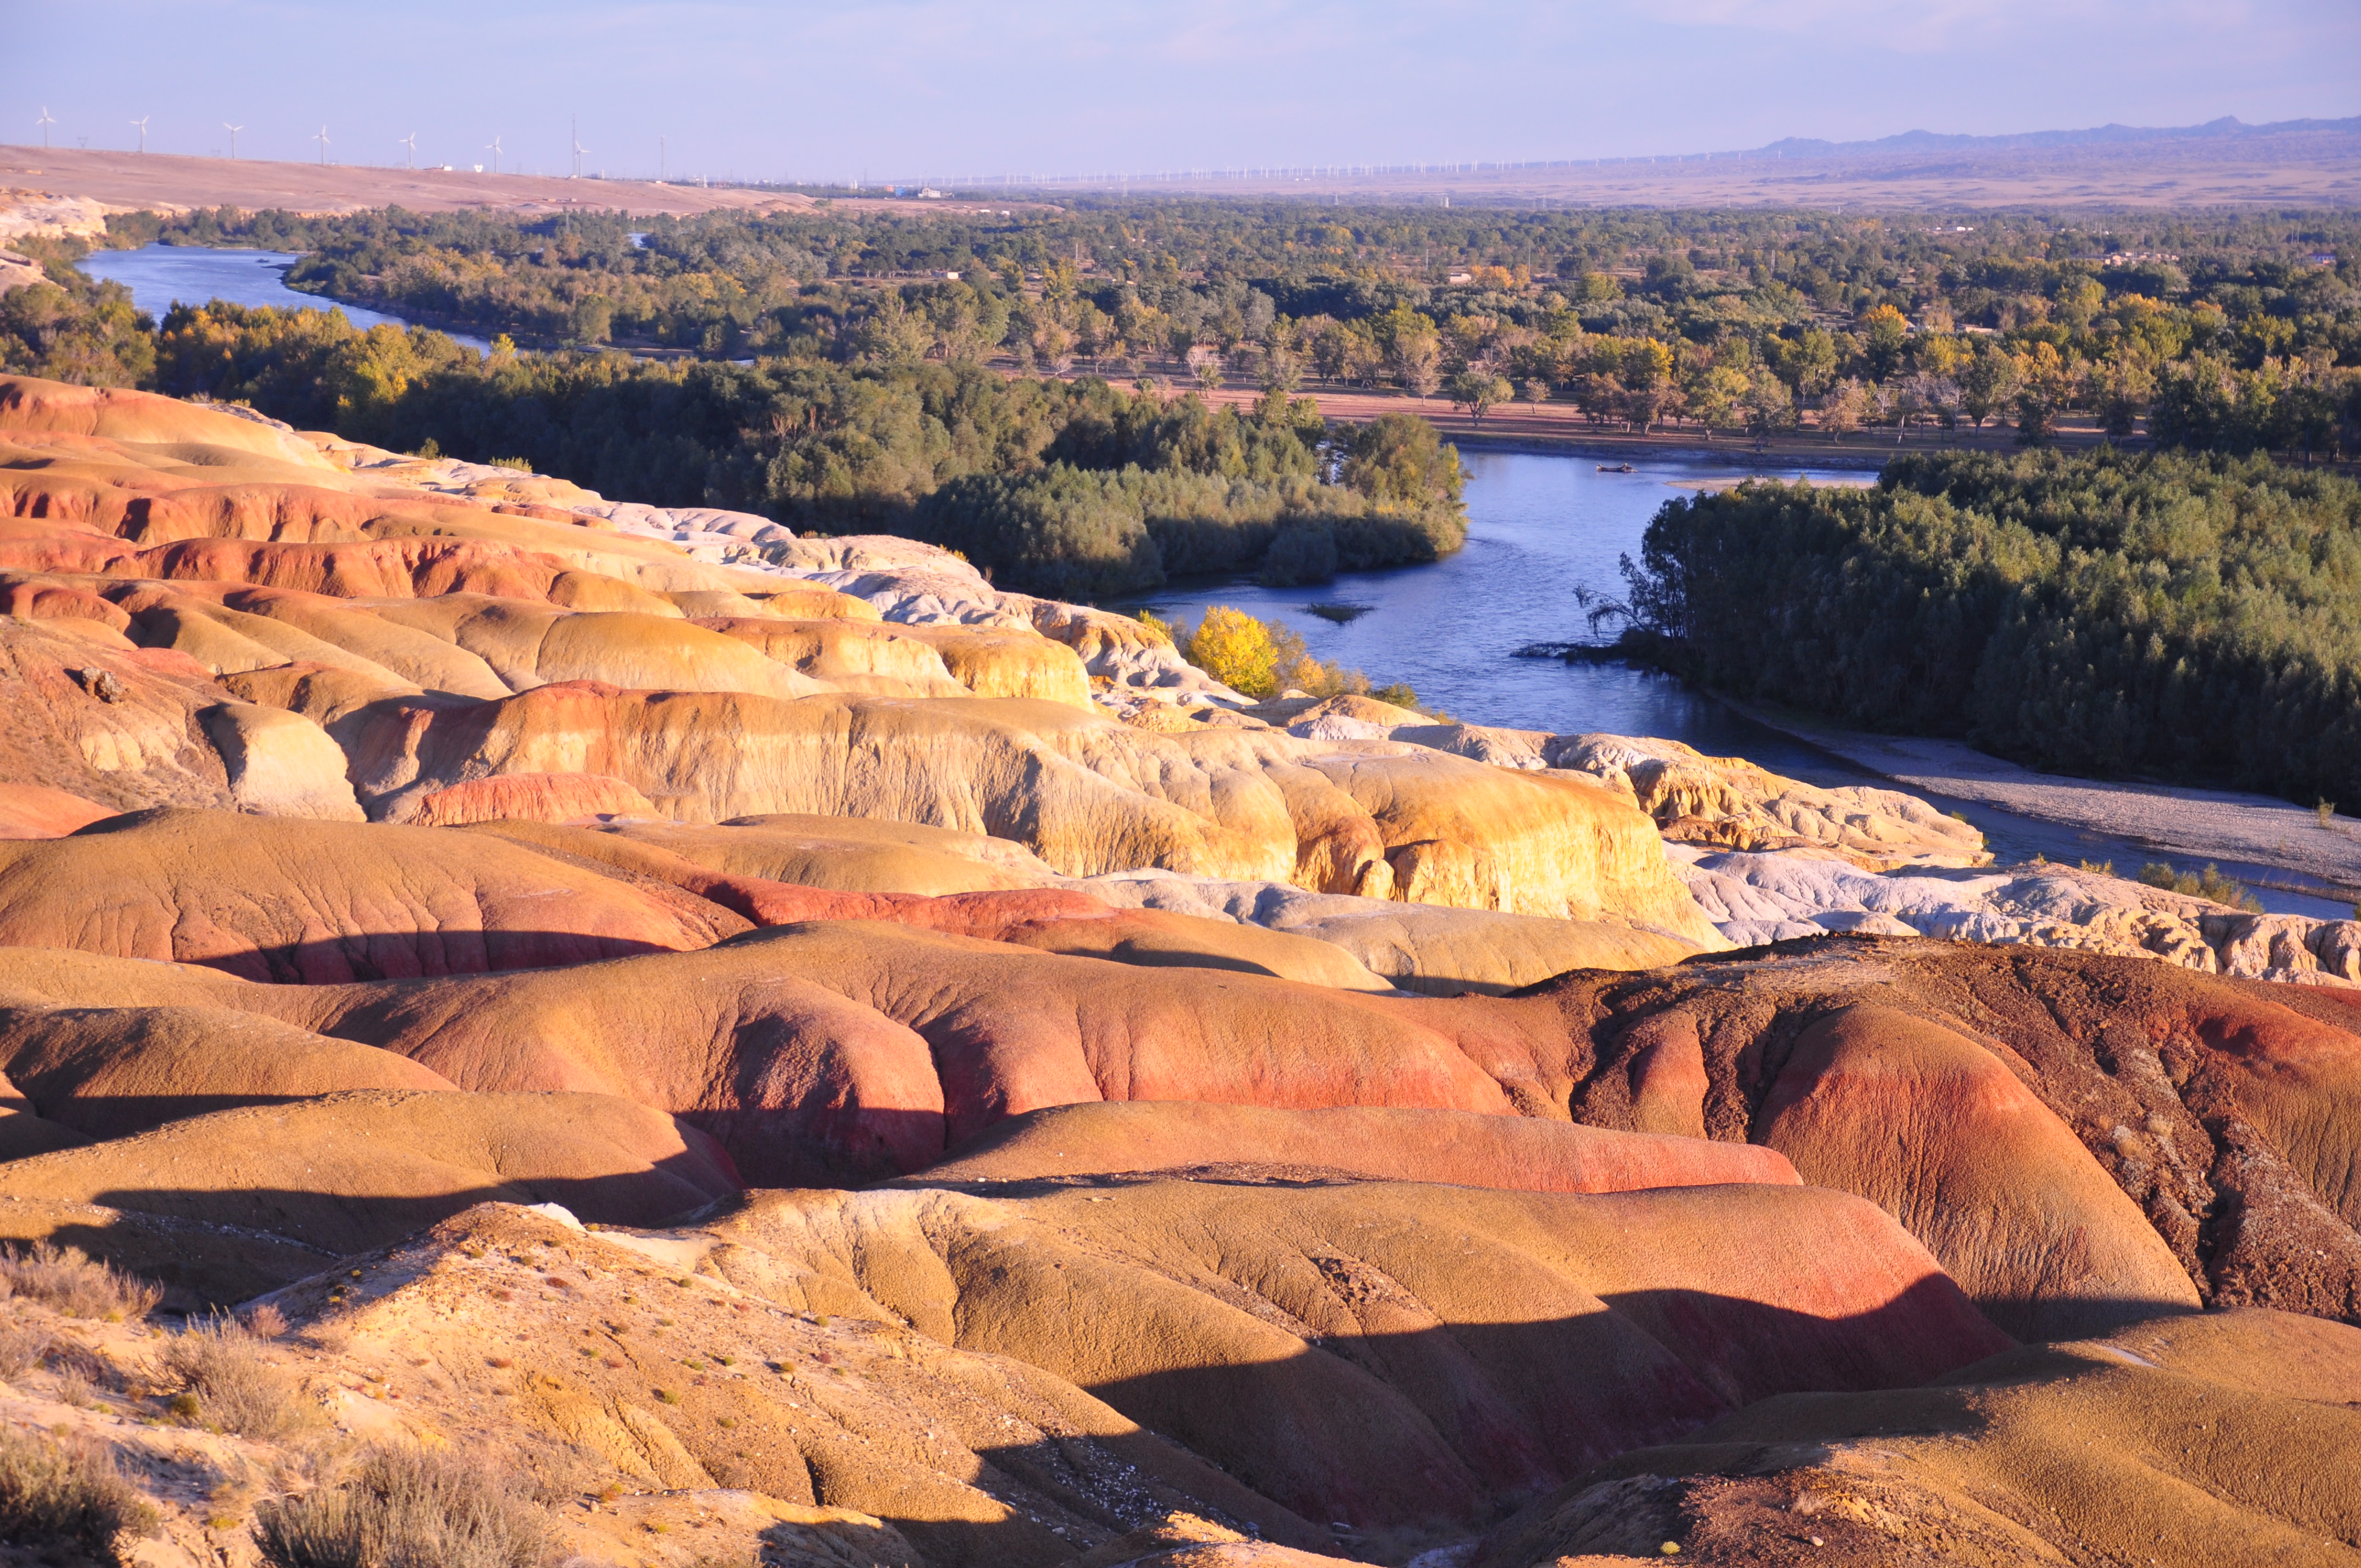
(159, 275)
(1539, 528)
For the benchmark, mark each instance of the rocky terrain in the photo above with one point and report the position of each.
(537, 1029)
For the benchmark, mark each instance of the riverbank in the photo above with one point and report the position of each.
(2185, 825)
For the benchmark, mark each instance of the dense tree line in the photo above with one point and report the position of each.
(1072, 488)
(2235, 333)
(70, 328)
(2192, 617)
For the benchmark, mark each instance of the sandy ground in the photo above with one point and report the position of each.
(2188, 826)
(129, 181)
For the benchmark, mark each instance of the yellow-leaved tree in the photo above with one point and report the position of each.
(1262, 661)
(1236, 649)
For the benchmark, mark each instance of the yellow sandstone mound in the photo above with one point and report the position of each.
(1385, 1354)
(348, 1171)
(2165, 1443)
(105, 1073)
(272, 899)
(1939, 1132)
(854, 854)
(1365, 1142)
(991, 662)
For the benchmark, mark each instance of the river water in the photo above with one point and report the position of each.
(159, 275)
(1539, 528)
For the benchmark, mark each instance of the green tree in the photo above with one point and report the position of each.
(1767, 406)
(1478, 391)
(1987, 383)
(1885, 334)
(593, 319)
(1400, 458)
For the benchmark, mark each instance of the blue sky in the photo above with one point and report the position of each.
(935, 88)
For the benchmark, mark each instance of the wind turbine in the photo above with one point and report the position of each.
(574, 135)
(44, 122)
(233, 131)
(322, 140)
(409, 159)
(495, 150)
(142, 122)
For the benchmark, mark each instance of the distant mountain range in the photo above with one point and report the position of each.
(2227, 128)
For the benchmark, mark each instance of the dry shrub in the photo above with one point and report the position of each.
(21, 1349)
(405, 1507)
(236, 1387)
(67, 1494)
(75, 1386)
(267, 1322)
(75, 1284)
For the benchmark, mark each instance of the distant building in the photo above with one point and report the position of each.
(1461, 278)
(2322, 258)
(948, 276)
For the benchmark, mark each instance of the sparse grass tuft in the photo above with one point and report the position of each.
(221, 1366)
(405, 1505)
(68, 1495)
(76, 1284)
(2105, 868)
(2326, 811)
(2209, 883)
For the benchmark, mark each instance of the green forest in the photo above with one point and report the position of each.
(2190, 617)
(1071, 488)
(1013, 384)
(2220, 332)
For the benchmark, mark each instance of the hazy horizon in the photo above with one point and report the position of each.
(927, 89)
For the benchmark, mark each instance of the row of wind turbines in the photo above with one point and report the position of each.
(410, 142)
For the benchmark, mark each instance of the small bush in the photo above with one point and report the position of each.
(404, 1507)
(76, 1284)
(21, 1350)
(69, 1495)
(2209, 883)
(236, 1389)
(75, 1385)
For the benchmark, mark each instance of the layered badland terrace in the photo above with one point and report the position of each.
(1029, 1105)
